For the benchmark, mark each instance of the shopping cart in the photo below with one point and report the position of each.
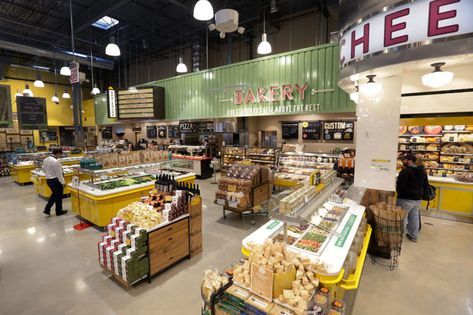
(388, 230)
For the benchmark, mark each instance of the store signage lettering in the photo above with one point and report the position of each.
(419, 22)
(112, 103)
(273, 93)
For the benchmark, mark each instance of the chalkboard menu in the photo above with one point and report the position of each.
(339, 130)
(107, 133)
(174, 131)
(196, 126)
(311, 130)
(151, 132)
(290, 130)
(162, 131)
(141, 103)
(31, 112)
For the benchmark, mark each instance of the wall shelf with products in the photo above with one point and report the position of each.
(264, 156)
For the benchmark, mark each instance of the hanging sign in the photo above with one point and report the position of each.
(341, 130)
(112, 102)
(141, 103)
(419, 22)
(75, 78)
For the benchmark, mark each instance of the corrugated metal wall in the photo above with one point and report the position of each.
(202, 94)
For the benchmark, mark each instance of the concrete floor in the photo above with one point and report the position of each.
(47, 267)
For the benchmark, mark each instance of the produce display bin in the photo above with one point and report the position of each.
(22, 173)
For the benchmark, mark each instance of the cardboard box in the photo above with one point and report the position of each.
(129, 159)
(195, 207)
(136, 156)
(258, 305)
(121, 160)
(113, 160)
(279, 310)
(145, 156)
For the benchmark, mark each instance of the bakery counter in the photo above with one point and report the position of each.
(453, 196)
(200, 165)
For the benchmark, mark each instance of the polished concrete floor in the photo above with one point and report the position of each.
(47, 267)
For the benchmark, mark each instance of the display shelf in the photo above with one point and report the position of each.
(461, 163)
(467, 142)
(311, 154)
(456, 131)
(415, 150)
(420, 135)
(262, 161)
(457, 154)
(448, 169)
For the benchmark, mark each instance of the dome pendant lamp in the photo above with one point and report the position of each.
(65, 70)
(264, 47)
(371, 88)
(181, 66)
(66, 94)
(38, 82)
(438, 77)
(112, 48)
(27, 91)
(203, 10)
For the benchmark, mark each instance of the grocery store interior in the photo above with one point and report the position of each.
(270, 157)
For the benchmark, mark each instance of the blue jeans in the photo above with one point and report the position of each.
(412, 218)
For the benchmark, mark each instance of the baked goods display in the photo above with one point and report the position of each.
(232, 155)
(262, 156)
(445, 150)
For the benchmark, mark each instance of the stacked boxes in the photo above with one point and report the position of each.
(124, 251)
(233, 301)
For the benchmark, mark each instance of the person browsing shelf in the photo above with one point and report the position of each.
(55, 179)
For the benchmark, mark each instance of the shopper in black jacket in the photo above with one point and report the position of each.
(410, 188)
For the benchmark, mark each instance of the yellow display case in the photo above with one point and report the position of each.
(41, 185)
(99, 209)
(22, 173)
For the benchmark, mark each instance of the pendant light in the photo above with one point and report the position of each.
(112, 48)
(54, 98)
(264, 47)
(181, 66)
(438, 77)
(203, 10)
(65, 70)
(66, 94)
(27, 91)
(355, 95)
(38, 82)
(18, 93)
(371, 88)
(95, 89)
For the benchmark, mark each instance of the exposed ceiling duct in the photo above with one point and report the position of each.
(58, 55)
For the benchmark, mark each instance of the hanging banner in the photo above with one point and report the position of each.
(112, 103)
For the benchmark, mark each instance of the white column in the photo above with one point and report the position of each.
(377, 136)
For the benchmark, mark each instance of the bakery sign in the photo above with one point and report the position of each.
(410, 23)
(281, 96)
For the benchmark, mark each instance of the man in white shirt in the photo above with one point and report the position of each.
(55, 179)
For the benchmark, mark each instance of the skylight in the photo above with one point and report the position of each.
(105, 23)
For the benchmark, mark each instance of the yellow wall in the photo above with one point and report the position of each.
(58, 114)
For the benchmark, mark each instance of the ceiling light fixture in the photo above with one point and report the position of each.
(264, 47)
(55, 99)
(181, 67)
(371, 88)
(203, 10)
(38, 82)
(18, 93)
(27, 91)
(112, 48)
(65, 70)
(66, 94)
(95, 89)
(354, 96)
(438, 77)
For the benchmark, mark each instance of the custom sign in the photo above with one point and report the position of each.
(340, 130)
(107, 133)
(197, 126)
(141, 103)
(112, 102)
(415, 23)
(151, 132)
(311, 130)
(32, 112)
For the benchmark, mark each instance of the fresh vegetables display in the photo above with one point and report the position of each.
(308, 245)
(126, 182)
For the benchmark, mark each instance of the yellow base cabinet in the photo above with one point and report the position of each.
(452, 197)
(22, 173)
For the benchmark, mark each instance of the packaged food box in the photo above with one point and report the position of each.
(279, 310)
(122, 160)
(113, 160)
(258, 306)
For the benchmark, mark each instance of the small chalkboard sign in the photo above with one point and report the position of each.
(339, 130)
(311, 130)
(32, 112)
(151, 132)
(162, 131)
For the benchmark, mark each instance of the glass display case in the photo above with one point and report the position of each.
(262, 156)
(232, 155)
